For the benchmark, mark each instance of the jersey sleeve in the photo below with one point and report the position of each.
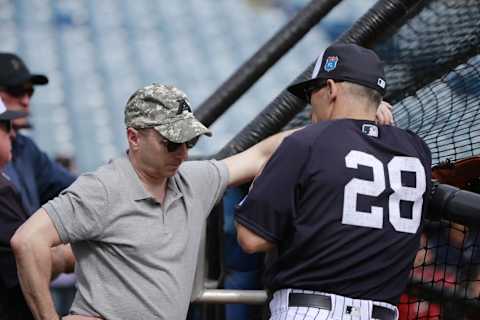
(269, 207)
(79, 212)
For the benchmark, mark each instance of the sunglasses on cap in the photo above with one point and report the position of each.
(174, 146)
(19, 91)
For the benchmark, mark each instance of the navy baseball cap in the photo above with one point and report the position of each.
(14, 72)
(344, 62)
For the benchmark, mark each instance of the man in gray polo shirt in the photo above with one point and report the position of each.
(135, 224)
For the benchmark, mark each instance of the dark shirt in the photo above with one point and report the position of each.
(343, 201)
(34, 174)
(12, 215)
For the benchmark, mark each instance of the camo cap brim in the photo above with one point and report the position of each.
(166, 109)
(183, 130)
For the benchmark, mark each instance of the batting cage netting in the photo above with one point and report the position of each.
(433, 76)
(433, 72)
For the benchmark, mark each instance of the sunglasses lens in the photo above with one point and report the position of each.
(312, 89)
(173, 146)
(192, 143)
(20, 91)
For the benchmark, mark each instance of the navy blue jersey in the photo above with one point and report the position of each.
(343, 202)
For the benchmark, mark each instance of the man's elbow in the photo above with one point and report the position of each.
(252, 244)
(248, 245)
(20, 242)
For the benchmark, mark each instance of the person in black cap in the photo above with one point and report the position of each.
(12, 215)
(16, 86)
(36, 176)
(340, 201)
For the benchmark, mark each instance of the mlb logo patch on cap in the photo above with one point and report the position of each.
(330, 63)
(381, 83)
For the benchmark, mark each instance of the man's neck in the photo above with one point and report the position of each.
(154, 184)
(353, 110)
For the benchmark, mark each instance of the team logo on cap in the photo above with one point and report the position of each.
(330, 63)
(183, 106)
(15, 64)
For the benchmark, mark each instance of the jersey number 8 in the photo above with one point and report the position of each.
(374, 219)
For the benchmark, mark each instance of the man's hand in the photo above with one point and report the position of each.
(384, 114)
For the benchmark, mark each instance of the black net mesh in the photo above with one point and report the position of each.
(433, 73)
(446, 113)
(433, 76)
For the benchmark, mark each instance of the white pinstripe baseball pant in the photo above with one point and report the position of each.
(358, 309)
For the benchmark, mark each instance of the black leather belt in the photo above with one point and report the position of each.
(296, 299)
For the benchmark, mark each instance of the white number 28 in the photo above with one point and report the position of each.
(374, 218)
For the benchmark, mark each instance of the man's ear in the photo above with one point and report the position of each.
(132, 137)
(333, 89)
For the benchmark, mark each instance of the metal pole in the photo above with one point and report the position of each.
(232, 296)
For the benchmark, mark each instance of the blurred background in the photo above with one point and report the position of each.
(97, 53)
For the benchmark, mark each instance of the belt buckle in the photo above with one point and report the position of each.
(298, 299)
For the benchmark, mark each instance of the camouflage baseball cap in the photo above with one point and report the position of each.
(166, 109)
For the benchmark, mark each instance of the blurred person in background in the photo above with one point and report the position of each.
(35, 175)
(67, 161)
(12, 215)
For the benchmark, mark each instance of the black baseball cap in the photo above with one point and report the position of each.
(14, 72)
(344, 62)
(9, 114)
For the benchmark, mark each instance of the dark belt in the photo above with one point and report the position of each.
(296, 299)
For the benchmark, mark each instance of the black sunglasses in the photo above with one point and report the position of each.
(174, 146)
(7, 124)
(19, 91)
(313, 87)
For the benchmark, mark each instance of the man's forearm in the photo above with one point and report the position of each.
(34, 267)
(268, 146)
(244, 166)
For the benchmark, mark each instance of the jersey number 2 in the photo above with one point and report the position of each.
(374, 219)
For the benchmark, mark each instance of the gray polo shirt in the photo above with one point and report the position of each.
(136, 258)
